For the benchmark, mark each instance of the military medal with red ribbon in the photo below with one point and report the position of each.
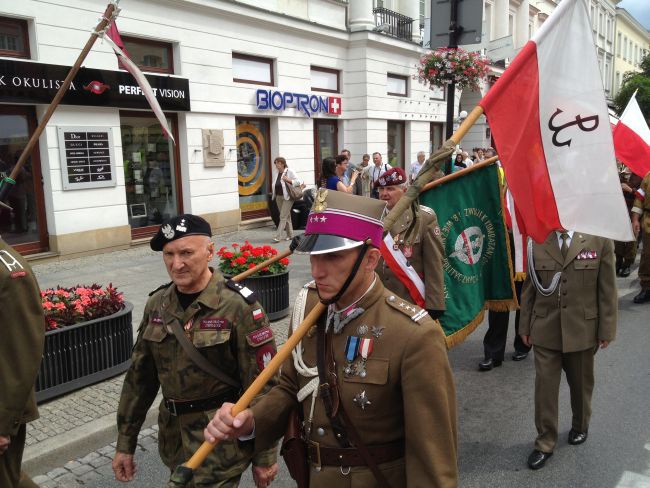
(365, 350)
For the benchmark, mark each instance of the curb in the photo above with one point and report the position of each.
(54, 452)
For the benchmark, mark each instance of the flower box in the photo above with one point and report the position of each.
(85, 353)
(272, 292)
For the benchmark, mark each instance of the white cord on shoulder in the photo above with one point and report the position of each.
(533, 276)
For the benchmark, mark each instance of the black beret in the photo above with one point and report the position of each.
(178, 227)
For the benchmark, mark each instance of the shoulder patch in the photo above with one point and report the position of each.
(249, 295)
(413, 312)
(259, 336)
(161, 287)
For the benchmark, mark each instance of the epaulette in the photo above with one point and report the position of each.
(161, 287)
(414, 312)
(426, 209)
(249, 295)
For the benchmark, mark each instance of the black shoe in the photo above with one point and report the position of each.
(519, 356)
(625, 272)
(576, 437)
(537, 459)
(488, 364)
(642, 297)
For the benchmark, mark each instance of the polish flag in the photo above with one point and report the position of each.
(632, 139)
(551, 127)
(515, 223)
(115, 41)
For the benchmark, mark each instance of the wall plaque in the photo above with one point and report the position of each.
(87, 159)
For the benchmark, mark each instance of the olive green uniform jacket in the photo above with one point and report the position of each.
(585, 306)
(426, 258)
(641, 204)
(409, 386)
(233, 335)
(23, 332)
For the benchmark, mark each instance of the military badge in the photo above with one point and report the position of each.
(167, 231)
(361, 400)
(319, 202)
(214, 323)
(264, 355)
(258, 314)
(259, 336)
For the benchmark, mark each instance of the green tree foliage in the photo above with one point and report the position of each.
(634, 80)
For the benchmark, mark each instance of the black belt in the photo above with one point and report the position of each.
(181, 407)
(350, 456)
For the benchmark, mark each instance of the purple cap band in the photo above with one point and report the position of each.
(345, 224)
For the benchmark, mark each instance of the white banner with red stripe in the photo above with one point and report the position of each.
(397, 263)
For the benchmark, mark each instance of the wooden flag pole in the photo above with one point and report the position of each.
(27, 151)
(458, 174)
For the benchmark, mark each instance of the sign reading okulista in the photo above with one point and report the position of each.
(307, 104)
(37, 83)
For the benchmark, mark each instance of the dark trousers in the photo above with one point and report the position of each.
(494, 342)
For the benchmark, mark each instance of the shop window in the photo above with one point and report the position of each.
(396, 85)
(14, 40)
(253, 167)
(325, 79)
(151, 175)
(396, 134)
(152, 56)
(252, 69)
(325, 144)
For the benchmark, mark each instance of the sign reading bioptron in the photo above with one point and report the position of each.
(307, 104)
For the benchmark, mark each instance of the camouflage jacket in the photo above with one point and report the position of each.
(23, 333)
(233, 335)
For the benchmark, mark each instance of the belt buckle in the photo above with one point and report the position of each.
(172, 410)
(316, 462)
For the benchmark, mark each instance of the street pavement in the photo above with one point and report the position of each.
(71, 446)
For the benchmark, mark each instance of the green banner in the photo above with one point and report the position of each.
(476, 253)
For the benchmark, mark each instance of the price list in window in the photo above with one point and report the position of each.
(87, 159)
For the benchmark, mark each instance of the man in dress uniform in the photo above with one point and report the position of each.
(568, 310)
(371, 379)
(411, 264)
(202, 341)
(21, 349)
(641, 221)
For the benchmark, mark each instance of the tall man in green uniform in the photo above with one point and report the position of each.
(21, 349)
(371, 380)
(641, 221)
(569, 309)
(202, 341)
(411, 264)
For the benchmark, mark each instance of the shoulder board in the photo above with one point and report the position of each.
(161, 287)
(414, 312)
(247, 294)
(426, 209)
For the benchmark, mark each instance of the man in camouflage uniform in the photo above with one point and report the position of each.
(641, 222)
(383, 377)
(21, 349)
(413, 261)
(198, 313)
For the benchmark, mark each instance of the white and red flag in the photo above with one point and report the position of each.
(551, 126)
(632, 139)
(115, 41)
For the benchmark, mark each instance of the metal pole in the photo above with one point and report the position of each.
(451, 88)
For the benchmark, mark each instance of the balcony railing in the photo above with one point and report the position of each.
(393, 24)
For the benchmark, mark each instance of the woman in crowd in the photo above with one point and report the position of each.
(333, 171)
(283, 176)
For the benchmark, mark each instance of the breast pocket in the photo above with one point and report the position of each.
(376, 373)
(588, 268)
(154, 333)
(209, 338)
(546, 269)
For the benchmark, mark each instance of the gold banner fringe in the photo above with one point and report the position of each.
(520, 276)
(459, 336)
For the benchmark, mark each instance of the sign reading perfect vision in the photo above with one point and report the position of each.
(37, 83)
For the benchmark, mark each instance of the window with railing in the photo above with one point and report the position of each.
(393, 24)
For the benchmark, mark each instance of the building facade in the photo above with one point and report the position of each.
(632, 45)
(241, 82)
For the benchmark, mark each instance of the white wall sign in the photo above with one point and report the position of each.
(87, 159)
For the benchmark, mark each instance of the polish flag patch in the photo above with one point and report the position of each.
(334, 104)
(258, 314)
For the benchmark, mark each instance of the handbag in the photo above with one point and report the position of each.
(294, 450)
(295, 192)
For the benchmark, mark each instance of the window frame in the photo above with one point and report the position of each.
(24, 27)
(404, 78)
(269, 61)
(151, 69)
(330, 71)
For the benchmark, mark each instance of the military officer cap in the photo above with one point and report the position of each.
(339, 221)
(392, 177)
(179, 227)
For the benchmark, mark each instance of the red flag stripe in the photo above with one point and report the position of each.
(631, 149)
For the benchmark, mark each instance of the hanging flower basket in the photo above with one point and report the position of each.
(452, 65)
